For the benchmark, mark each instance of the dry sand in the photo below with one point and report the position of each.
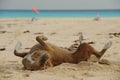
(61, 32)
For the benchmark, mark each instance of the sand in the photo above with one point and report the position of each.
(61, 32)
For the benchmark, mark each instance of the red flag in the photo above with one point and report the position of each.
(35, 10)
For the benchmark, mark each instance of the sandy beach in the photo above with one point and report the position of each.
(61, 32)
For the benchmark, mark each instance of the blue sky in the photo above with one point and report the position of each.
(60, 4)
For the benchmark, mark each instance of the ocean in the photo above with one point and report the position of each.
(59, 14)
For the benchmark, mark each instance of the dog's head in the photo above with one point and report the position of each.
(36, 60)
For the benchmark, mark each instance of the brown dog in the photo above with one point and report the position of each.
(44, 55)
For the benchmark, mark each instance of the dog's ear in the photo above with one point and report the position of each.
(44, 58)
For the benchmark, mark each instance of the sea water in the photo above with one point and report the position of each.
(59, 14)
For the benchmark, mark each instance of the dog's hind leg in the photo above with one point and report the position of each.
(101, 53)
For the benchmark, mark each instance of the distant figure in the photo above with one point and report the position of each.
(97, 18)
(34, 19)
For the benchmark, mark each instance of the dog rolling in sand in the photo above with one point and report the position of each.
(44, 55)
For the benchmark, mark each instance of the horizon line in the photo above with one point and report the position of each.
(61, 10)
